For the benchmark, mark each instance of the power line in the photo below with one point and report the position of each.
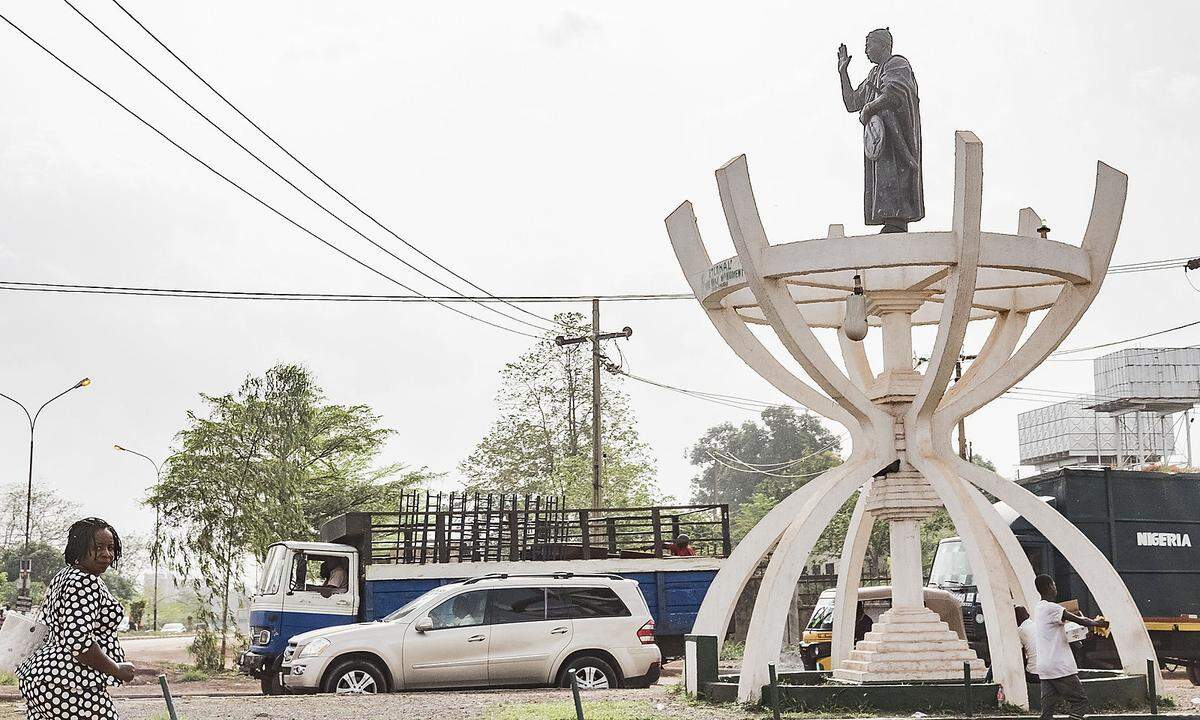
(304, 165)
(322, 297)
(1136, 352)
(719, 461)
(275, 172)
(771, 468)
(375, 297)
(1150, 265)
(1132, 339)
(235, 184)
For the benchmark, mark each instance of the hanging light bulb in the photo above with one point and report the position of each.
(855, 323)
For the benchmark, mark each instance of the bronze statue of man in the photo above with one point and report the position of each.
(887, 106)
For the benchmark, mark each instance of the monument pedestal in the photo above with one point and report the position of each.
(909, 644)
(910, 641)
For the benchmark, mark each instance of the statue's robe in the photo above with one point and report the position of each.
(893, 185)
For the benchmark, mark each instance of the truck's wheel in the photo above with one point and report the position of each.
(1194, 674)
(354, 677)
(591, 673)
(270, 681)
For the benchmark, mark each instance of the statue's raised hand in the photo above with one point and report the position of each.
(843, 58)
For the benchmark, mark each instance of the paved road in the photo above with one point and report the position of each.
(157, 650)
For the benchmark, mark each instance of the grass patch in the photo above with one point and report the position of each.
(7, 678)
(194, 675)
(565, 710)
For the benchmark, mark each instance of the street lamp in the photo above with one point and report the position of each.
(154, 547)
(24, 601)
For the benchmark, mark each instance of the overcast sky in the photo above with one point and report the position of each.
(534, 148)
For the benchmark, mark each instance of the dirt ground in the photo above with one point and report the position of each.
(1182, 691)
(653, 703)
(140, 702)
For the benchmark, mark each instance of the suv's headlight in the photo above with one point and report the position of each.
(314, 648)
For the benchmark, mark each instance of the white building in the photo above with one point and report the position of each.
(1143, 400)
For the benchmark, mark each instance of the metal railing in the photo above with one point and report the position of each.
(478, 527)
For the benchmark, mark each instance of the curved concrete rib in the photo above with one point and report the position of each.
(773, 602)
(722, 596)
(694, 259)
(998, 348)
(854, 355)
(1128, 630)
(990, 573)
(1108, 206)
(960, 283)
(750, 239)
(1020, 571)
(854, 551)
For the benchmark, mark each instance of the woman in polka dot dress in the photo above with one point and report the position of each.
(68, 677)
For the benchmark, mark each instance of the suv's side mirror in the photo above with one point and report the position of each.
(425, 624)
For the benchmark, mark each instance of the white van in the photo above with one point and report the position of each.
(492, 630)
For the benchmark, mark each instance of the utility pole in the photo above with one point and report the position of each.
(594, 339)
(962, 422)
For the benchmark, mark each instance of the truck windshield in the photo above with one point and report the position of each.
(412, 605)
(950, 566)
(272, 569)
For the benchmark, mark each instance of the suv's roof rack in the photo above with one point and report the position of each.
(555, 575)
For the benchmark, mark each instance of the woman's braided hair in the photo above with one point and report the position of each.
(81, 538)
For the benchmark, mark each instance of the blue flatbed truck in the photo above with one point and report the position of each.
(397, 557)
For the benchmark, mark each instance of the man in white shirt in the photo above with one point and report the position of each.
(1055, 664)
(1028, 643)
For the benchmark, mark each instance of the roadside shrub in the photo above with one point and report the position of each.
(206, 650)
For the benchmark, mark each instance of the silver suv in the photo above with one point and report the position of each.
(491, 630)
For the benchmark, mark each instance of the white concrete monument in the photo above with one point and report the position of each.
(900, 420)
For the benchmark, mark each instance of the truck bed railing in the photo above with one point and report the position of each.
(515, 528)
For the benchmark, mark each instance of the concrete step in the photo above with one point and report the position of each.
(936, 631)
(905, 614)
(958, 656)
(903, 646)
(915, 669)
(862, 676)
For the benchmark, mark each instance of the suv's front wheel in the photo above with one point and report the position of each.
(591, 673)
(354, 677)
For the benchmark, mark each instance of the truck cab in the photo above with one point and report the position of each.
(303, 586)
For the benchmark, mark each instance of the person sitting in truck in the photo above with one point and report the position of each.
(1055, 662)
(335, 577)
(682, 547)
(1028, 643)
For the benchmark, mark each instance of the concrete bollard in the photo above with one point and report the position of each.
(1152, 685)
(774, 690)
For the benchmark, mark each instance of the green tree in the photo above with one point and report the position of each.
(122, 587)
(541, 441)
(831, 540)
(270, 461)
(753, 466)
(137, 610)
(47, 560)
(50, 517)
